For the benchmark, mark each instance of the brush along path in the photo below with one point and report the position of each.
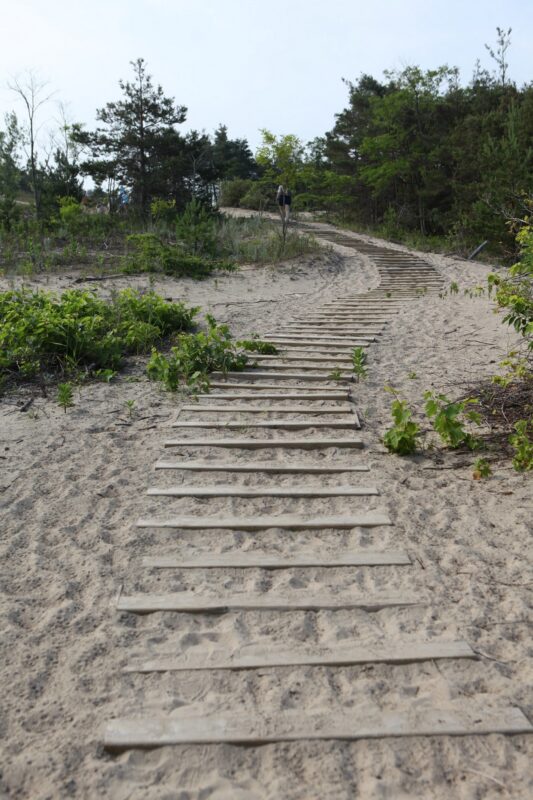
(268, 507)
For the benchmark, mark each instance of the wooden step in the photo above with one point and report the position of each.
(296, 522)
(262, 466)
(282, 390)
(239, 559)
(262, 491)
(320, 339)
(304, 395)
(255, 444)
(329, 359)
(461, 718)
(235, 409)
(256, 657)
(286, 424)
(193, 603)
(272, 375)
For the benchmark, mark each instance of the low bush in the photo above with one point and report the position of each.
(401, 438)
(232, 192)
(196, 355)
(449, 418)
(147, 253)
(45, 333)
(258, 346)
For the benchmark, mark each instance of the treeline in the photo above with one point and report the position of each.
(416, 153)
(136, 156)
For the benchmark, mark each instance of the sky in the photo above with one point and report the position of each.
(249, 64)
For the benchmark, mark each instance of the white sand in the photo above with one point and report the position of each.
(72, 486)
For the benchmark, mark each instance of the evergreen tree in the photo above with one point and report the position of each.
(134, 137)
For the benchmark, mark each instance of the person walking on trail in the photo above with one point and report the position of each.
(280, 199)
(284, 199)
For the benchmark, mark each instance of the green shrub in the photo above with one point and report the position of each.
(359, 361)
(65, 396)
(42, 332)
(257, 346)
(196, 230)
(232, 192)
(522, 442)
(194, 356)
(448, 419)
(147, 253)
(401, 438)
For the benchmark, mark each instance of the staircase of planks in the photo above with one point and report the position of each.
(293, 429)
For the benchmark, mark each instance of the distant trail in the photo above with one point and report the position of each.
(262, 483)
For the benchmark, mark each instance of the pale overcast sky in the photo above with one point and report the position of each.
(248, 63)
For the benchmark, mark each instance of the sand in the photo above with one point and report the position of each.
(72, 486)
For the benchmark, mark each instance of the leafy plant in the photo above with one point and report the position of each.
(454, 288)
(522, 442)
(359, 361)
(65, 396)
(335, 374)
(258, 346)
(46, 333)
(130, 405)
(481, 469)
(194, 356)
(147, 253)
(401, 438)
(448, 419)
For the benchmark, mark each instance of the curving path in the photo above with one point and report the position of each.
(287, 488)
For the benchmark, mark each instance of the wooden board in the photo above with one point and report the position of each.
(194, 603)
(346, 408)
(275, 656)
(263, 491)
(305, 395)
(292, 355)
(288, 424)
(282, 390)
(294, 522)
(321, 338)
(233, 559)
(272, 375)
(263, 466)
(458, 719)
(256, 444)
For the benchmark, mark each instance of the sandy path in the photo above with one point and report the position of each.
(75, 484)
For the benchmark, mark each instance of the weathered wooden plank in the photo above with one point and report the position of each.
(251, 558)
(296, 522)
(297, 356)
(275, 656)
(458, 719)
(263, 466)
(317, 338)
(193, 603)
(257, 444)
(272, 375)
(287, 424)
(262, 491)
(345, 408)
(305, 395)
(281, 390)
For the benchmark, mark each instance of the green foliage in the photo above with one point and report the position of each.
(65, 396)
(194, 356)
(449, 417)
(522, 443)
(232, 192)
(70, 213)
(257, 346)
(45, 333)
(147, 253)
(335, 375)
(196, 230)
(514, 291)
(359, 361)
(481, 469)
(259, 241)
(162, 210)
(401, 438)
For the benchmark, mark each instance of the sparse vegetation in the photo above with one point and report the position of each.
(44, 334)
(194, 356)
(401, 438)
